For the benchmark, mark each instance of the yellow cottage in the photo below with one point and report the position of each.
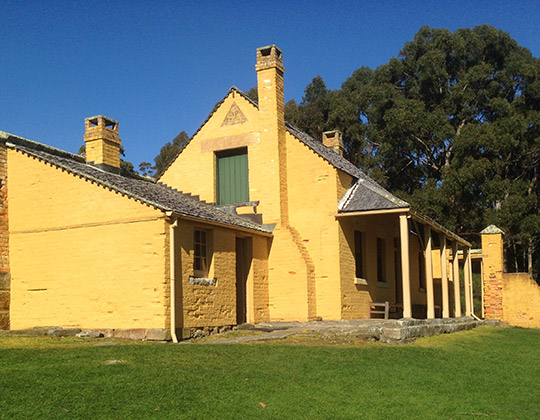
(285, 229)
(342, 246)
(89, 247)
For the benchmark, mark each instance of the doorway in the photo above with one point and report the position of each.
(243, 266)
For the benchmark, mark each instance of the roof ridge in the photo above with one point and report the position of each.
(135, 188)
(34, 145)
(97, 180)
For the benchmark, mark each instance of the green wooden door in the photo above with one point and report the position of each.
(232, 177)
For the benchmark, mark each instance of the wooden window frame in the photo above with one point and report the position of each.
(381, 261)
(360, 269)
(421, 272)
(202, 252)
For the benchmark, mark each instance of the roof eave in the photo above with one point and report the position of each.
(411, 213)
(220, 224)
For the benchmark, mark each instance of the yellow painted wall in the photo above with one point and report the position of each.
(82, 255)
(211, 306)
(521, 300)
(355, 297)
(313, 198)
(291, 272)
(194, 169)
(258, 310)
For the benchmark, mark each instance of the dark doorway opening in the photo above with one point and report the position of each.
(243, 265)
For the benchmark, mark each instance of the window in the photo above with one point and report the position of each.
(397, 260)
(201, 261)
(421, 271)
(358, 254)
(381, 260)
(232, 185)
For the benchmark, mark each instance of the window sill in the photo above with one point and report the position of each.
(360, 281)
(383, 285)
(202, 281)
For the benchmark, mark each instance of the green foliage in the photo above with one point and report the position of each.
(253, 94)
(126, 167)
(486, 371)
(451, 126)
(167, 154)
(146, 169)
(313, 112)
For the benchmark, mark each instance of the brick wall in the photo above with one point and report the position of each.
(492, 249)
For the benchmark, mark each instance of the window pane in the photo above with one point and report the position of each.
(381, 260)
(358, 254)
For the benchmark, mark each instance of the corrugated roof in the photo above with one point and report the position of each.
(141, 189)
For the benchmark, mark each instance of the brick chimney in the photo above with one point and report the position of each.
(272, 119)
(270, 81)
(102, 142)
(333, 140)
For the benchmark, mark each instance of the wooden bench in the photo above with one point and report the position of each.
(383, 308)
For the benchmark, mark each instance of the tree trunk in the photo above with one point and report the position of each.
(530, 251)
(516, 268)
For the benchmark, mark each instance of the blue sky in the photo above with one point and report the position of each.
(158, 67)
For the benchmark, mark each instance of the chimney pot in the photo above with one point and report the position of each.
(269, 57)
(333, 140)
(102, 142)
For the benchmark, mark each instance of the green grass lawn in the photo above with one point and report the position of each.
(487, 372)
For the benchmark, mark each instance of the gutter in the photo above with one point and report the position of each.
(214, 223)
(411, 213)
(437, 226)
(172, 261)
(371, 212)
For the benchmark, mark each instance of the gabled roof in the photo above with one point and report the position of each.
(141, 189)
(366, 194)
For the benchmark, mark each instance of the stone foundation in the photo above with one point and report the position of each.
(150, 334)
(406, 331)
(199, 332)
(386, 331)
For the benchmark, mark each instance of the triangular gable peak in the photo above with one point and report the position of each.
(233, 93)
